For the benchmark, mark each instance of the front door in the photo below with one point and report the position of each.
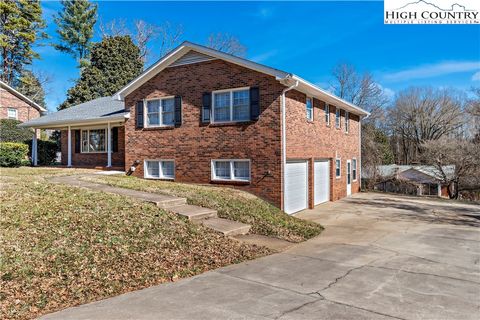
(349, 177)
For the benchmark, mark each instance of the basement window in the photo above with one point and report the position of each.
(160, 169)
(231, 170)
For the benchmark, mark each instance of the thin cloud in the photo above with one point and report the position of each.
(264, 56)
(476, 76)
(433, 70)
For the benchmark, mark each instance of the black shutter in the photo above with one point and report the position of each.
(115, 139)
(206, 107)
(254, 103)
(77, 141)
(139, 115)
(178, 110)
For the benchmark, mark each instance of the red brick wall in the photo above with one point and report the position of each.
(93, 159)
(193, 145)
(25, 112)
(312, 140)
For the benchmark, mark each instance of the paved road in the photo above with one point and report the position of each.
(380, 257)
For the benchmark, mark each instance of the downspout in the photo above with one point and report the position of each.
(284, 139)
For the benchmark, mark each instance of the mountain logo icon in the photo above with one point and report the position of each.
(453, 7)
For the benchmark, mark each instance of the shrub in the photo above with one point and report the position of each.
(9, 132)
(46, 150)
(12, 154)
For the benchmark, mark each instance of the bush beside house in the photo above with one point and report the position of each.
(9, 132)
(12, 154)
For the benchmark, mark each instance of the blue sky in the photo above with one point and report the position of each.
(305, 38)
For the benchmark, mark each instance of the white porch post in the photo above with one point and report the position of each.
(69, 152)
(34, 148)
(109, 146)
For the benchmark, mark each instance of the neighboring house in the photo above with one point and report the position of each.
(418, 180)
(15, 105)
(199, 115)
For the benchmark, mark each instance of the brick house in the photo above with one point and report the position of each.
(199, 115)
(15, 105)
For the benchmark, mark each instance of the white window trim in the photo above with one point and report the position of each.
(16, 113)
(212, 114)
(161, 176)
(339, 117)
(145, 114)
(354, 167)
(326, 110)
(347, 121)
(311, 99)
(212, 170)
(88, 140)
(340, 168)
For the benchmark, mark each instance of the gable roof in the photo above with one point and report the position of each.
(390, 170)
(98, 110)
(285, 78)
(22, 96)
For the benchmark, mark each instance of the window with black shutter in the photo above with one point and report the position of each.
(139, 114)
(254, 103)
(206, 107)
(178, 110)
(77, 141)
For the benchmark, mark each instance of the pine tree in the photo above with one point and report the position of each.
(114, 62)
(21, 24)
(30, 85)
(75, 28)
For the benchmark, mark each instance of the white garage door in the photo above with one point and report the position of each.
(321, 182)
(296, 186)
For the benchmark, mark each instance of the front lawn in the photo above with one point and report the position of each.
(62, 246)
(237, 205)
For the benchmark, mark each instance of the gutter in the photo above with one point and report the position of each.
(61, 123)
(284, 138)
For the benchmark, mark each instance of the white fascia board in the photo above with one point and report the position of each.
(23, 97)
(328, 97)
(63, 123)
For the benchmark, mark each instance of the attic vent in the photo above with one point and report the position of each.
(191, 57)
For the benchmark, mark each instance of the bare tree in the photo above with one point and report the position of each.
(360, 89)
(143, 34)
(473, 112)
(226, 43)
(421, 114)
(457, 162)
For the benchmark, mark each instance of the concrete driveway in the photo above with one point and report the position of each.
(380, 257)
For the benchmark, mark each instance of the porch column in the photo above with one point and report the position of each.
(109, 145)
(34, 148)
(69, 151)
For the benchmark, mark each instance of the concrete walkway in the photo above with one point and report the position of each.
(380, 257)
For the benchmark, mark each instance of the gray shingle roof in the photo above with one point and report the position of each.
(391, 169)
(105, 108)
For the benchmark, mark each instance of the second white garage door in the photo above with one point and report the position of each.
(321, 182)
(296, 186)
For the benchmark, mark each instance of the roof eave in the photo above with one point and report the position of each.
(63, 123)
(23, 97)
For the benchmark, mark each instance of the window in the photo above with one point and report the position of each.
(93, 140)
(160, 169)
(354, 169)
(309, 106)
(338, 163)
(231, 105)
(12, 113)
(337, 117)
(327, 114)
(235, 170)
(347, 121)
(160, 112)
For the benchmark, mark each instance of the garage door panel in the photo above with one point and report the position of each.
(296, 186)
(321, 182)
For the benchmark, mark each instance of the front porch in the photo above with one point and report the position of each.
(92, 134)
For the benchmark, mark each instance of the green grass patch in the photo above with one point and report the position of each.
(230, 203)
(62, 246)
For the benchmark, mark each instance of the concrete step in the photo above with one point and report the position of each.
(226, 227)
(194, 213)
